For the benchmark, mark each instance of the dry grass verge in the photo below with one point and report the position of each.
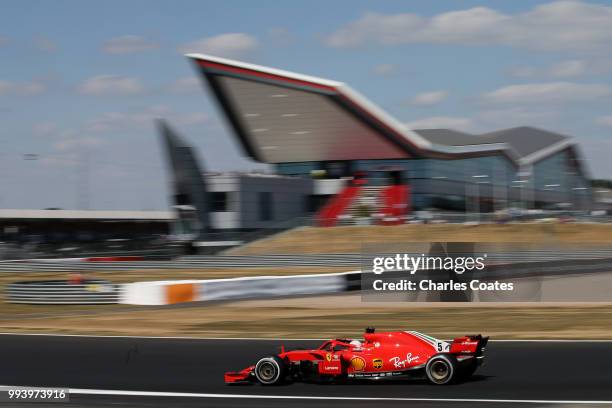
(351, 238)
(331, 316)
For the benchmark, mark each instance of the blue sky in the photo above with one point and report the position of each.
(82, 81)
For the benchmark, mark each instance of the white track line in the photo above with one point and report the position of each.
(309, 397)
(282, 339)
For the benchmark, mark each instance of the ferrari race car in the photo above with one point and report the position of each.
(378, 356)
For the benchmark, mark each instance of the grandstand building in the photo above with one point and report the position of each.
(334, 147)
(26, 233)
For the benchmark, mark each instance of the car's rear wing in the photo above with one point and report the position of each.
(470, 344)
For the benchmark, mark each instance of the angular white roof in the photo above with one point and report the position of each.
(281, 116)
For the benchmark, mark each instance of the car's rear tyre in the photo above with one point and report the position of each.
(270, 370)
(441, 369)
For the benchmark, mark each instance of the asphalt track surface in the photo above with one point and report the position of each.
(542, 371)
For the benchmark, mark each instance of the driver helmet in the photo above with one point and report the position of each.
(355, 343)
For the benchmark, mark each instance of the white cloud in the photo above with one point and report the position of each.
(128, 44)
(570, 68)
(224, 45)
(186, 85)
(441, 122)
(112, 122)
(492, 119)
(488, 120)
(21, 88)
(72, 143)
(385, 70)
(559, 25)
(69, 145)
(565, 69)
(604, 120)
(110, 85)
(429, 98)
(551, 92)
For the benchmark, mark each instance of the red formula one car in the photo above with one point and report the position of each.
(377, 356)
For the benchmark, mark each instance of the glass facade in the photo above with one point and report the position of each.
(558, 173)
(488, 182)
(297, 169)
(558, 179)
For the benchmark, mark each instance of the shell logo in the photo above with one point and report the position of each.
(357, 363)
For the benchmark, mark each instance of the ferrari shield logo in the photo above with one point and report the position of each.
(328, 357)
(377, 363)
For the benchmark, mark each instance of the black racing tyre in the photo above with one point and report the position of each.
(271, 371)
(441, 369)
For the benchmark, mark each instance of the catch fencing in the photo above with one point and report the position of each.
(188, 262)
(349, 260)
(92, 292)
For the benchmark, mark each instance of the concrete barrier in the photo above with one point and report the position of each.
(158, 292)
(171, 292)
(271, 286)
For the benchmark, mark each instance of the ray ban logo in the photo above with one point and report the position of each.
(399, 363)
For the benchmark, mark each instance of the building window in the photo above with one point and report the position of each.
(314, 202)
(218, 201)
(182, 199)
(265, 207)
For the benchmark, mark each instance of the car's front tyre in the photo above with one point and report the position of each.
(270, 370)
(441, 369)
